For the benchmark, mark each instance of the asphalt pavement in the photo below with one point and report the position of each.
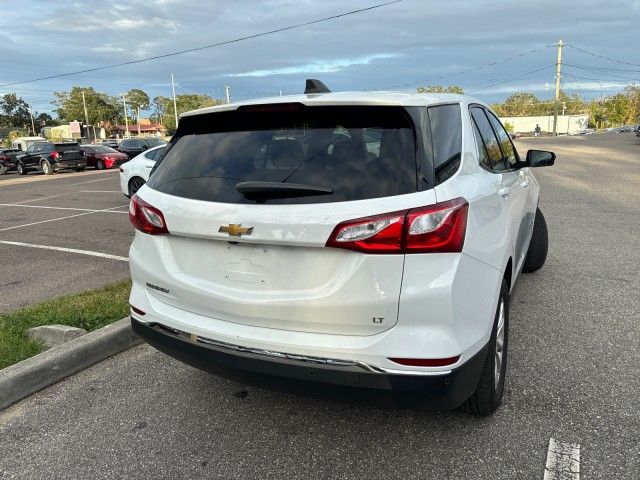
(59, 234)
(573, 376)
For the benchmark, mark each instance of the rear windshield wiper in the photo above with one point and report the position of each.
(280, 190)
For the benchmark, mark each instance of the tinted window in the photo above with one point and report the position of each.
(489, 139)
(483, 156)
(508, 152)
(45, 147)
(63, 147)
(101, 149)
(359, 152)
(446, 138)
(155, 142)
(151, 155)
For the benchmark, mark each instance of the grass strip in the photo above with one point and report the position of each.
(90, 310)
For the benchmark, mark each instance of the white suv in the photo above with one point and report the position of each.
(361, 239)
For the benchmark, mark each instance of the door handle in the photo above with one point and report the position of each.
(503, 192)
(525, 184)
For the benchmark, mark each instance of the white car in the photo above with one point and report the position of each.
(361, 239)
(135, 173)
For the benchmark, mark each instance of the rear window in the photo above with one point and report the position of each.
(101, 149)
(154, 142)
(63, 147)
(356, 152)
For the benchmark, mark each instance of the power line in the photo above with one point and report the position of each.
(602, 56)
(212, 45)
(522, 75)
(468, 70)
(605, 69)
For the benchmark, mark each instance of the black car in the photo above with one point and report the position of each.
(8, 159)
(110, 142)
(135, 146)
(50, 157)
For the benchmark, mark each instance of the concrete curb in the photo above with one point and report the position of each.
(33, 374)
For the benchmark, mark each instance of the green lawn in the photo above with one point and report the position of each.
(89, 310)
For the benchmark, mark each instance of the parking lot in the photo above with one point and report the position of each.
(59, 234)
(573, 359)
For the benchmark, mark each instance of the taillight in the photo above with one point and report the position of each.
(137, 310)
(146, 218)
(54, 155)
(435, 228)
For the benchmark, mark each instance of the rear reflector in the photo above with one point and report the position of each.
(432, 229)
(137, 310)
(426, 362)
(146, 218)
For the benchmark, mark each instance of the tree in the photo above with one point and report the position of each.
(14, 111)
(441, 89)
(519, 104)
(44, 120)
(137, 100)
(102, 109)
(184, 103)
(159, 109)
(633, 109)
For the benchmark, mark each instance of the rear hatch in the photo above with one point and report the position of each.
(68, 152)
(251, 197)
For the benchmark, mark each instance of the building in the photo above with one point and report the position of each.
(147, 129)
(567, 124)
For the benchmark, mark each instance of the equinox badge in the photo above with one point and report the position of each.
(235, 230)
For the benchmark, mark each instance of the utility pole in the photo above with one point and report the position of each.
(226, 93)
(175, 108)
(558, 76)
(138, 117)
(33, 126)
(84, 104)
(126, 120)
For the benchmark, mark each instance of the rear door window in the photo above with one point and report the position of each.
(491, 144)
(446, 138)
(355, 152)
(509, 155)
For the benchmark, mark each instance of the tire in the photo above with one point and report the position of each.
(99, 165)
(539, 245)
(488, 395)
(46, 167)
(134, 185)
(21, 169)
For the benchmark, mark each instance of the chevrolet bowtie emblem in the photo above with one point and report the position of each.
(235, 230)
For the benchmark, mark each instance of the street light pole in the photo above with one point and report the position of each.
(175, 108)
(126, 120)
(33, 126)
(555, 105)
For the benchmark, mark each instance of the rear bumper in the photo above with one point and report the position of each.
(441, 390)
(68, 164)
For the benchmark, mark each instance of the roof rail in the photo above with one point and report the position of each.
(315, 86)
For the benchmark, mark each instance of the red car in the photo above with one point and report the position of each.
(101, 156)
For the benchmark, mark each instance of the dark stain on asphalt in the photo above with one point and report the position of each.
(140, 425)
(241, 394)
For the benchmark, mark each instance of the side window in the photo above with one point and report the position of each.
(488, 138)
(508, 151)
(446, 137)
(152, 154)
(31, 149)
(483, 156)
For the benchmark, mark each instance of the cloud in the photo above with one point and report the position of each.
(320, 66)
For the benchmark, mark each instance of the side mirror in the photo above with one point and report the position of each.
(540, 158)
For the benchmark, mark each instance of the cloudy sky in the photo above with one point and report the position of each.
(490, 48)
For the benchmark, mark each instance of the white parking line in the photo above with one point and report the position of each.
(68, 250)
(59, 208)
(101, 191)
(60, 218)
(563, 461)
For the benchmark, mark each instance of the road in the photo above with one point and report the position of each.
(41, 217)
(573, 375)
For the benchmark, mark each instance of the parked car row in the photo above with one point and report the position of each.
(50, 157)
